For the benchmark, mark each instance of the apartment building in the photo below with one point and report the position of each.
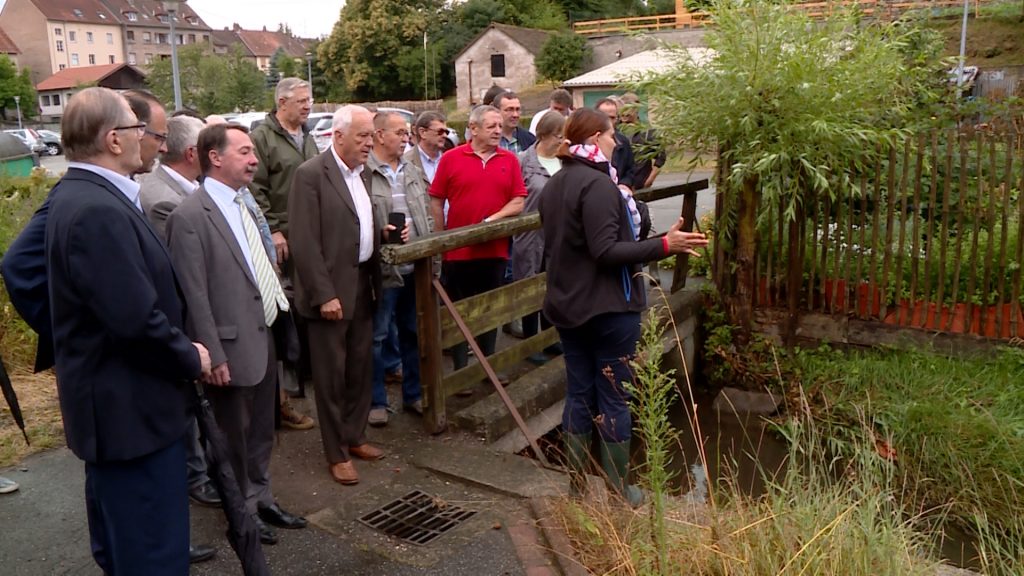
(145, 27)
(259, 46)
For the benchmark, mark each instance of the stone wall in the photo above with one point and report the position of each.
(473, 67)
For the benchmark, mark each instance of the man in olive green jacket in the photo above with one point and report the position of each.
(397, 186)
(282, 144)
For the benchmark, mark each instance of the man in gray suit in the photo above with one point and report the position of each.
(233, 298)
(177, 176)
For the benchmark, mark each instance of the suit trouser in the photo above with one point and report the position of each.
(246, 416)
(195, 455)
(138, 513)
(341, 353)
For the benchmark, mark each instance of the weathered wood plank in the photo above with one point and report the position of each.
(492, 309)
(501, 361)
(689, 215)
(428, 325)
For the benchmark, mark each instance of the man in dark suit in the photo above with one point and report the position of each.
(233, 297)
(123, 361)
(335, 245)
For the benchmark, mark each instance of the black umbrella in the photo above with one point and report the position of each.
(12, 399)
(243, 533)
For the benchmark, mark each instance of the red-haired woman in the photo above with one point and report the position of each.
(595, 294)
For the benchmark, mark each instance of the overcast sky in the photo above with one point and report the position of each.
(307, 18)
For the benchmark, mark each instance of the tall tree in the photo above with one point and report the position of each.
(14, 83)
(210, 83)
(562, 57)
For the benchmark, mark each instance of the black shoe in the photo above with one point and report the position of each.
(199, 553)
(267, 535)
(275, 516)
(205, 495)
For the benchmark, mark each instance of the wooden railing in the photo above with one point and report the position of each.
(682, 19)
(929, 237)
(437, 328)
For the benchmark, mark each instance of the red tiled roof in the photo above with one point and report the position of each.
(7, 46)
(71, 77)
(147, 12)
(264, 43)
(92, 11)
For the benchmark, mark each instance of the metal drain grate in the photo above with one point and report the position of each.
(417, 517)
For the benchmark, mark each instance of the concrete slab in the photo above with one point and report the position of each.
(531, 393)
(505, 474)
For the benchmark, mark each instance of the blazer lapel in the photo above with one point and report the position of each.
(221, 225)
(337, 180)
(161, 173)
(116, 192)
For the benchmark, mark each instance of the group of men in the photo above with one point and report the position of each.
(233, 253)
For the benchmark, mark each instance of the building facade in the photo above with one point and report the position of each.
(502, 55)
(145, 29)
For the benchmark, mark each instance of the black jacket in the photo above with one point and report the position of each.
(624, 161)
(591, 255)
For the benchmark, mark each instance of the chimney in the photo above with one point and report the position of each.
(264, 28)
(235, 27)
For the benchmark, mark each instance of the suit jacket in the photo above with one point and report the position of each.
(121, 353)
(225, 310)
(160, 194)
(324, 237)
(24, 273)
(413, 157)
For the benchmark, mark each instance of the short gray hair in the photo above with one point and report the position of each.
(182, 134)
(342, 118)
(88, 116)
(287, 87)
(476, 117)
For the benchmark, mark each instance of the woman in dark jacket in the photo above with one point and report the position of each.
(595, 294)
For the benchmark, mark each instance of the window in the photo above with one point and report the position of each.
(110, 38)
(112, 59)
(206, 37)
(56, 99)
(74, 59)
(181, 39)
(130, 36)
(131, 58)
(163, 18)
(161, 38)
(45, 100)
(497, 65)
(146, 39)
(149, 58)
(88, 37)
(92, 59)
(131, 16)
(57, 31)
(72, 37)
(78, 12)
(191, 38)
(60, 45)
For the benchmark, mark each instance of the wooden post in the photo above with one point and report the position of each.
(689, 214)
(428, 325)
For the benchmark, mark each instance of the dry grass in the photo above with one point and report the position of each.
(37, 394)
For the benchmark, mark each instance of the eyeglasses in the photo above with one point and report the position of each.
(160, 137)
(439, 131)
(139, 128)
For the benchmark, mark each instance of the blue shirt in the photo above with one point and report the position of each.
(224, 198)
(429, 164)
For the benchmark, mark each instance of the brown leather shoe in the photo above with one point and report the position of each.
(366, 452)
(344, 473)
(292, 418)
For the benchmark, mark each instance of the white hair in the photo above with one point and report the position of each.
(476, 117)
(182, 134)
(287, 87)
(343, 116)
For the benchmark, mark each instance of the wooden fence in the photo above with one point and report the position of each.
(927, 237)
(438, 328)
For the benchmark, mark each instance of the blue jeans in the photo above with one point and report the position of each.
(596, 364)
(397, 305)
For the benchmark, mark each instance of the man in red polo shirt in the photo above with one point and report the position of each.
(482, 183)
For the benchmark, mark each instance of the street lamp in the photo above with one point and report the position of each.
(171, 7)
(17, 104)
(309, 71)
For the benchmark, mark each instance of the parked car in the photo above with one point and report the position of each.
(31, 139)
(249, 119)
(52, 140)
(319, 124)
(16, 158)
(322, 131)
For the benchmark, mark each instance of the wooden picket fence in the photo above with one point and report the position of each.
(929, 237)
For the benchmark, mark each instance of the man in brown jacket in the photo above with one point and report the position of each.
(336, 252)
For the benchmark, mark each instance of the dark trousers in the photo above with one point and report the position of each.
(397, 307)
(246, 416)
(138, 513)
(465, 278)
(596, 364)
(195, 455)
(341, 353)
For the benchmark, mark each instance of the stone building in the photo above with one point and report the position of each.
(502, 55)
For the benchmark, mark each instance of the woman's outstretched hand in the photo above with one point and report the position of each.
(680, 242)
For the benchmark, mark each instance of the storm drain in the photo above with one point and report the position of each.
(417, 517)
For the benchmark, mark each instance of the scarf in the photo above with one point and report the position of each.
(592, 153)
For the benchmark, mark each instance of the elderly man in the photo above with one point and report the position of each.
(177, 177)
(514, 138)
(229, 282)
(282, 144)
(336, 249)
(397, 186)
(117, 329)
(481, 183)
(560, 101)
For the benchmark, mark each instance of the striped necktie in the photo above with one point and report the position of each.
(266, 279)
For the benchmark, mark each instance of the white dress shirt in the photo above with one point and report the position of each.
(224, 198)
(127, 186)
(364, 209)
(189, 186)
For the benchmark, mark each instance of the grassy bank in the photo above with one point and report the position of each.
(19, 198)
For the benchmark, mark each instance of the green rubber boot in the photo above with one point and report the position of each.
(577, 457)
(615, 463)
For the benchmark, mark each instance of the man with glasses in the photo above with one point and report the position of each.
(336, 249)
(283, 143)
(514, 137)
(149, 111)
(118, 326)
(177, 177)
(430, 133)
